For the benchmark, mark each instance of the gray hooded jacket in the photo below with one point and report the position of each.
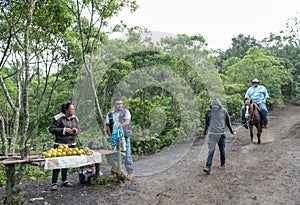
(216, 120)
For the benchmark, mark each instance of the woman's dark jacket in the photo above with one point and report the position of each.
(59, 125)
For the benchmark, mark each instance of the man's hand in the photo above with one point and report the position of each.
(234, 132)
(264, 100)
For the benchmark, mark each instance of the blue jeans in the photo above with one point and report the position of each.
(263, 110)
(212, 141)
(128, 157)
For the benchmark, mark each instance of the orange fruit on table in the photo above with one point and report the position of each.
(48, 155)
(59, 154)
(60, 147)
(63, 154)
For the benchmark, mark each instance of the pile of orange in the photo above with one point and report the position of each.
(62, 151)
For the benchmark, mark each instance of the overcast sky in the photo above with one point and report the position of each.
(217, 20)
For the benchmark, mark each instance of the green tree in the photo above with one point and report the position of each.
(91, 29)
(268, 69)
(286, 45)
(33, 43)
(239, 47)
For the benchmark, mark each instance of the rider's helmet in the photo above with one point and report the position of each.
(255, 80)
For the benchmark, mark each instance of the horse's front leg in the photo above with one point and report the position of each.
(251, 132)
(259, 131)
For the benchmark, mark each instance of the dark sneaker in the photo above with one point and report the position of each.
(53, 187)
(264, 126)
(67, 184)
(222, 167)
(206, 170)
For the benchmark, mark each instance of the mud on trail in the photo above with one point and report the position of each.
(268, 173)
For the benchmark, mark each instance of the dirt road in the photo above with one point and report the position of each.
(255, 174)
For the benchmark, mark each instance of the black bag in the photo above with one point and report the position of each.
(82, 178)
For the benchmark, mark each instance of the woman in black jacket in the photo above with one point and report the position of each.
(65, 127)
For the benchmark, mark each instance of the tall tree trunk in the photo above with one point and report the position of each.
(103, 123)
(13, 191)
(4, 148)
(27, 77)
(27, 80)
(14, 188)
(88, 64)
(16, 109)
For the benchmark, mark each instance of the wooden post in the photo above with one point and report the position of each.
(26, 151)
(119, 172)
(97, 167)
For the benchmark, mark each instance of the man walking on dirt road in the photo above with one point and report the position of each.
(216, 120)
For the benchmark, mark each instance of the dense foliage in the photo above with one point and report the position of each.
(167, 85)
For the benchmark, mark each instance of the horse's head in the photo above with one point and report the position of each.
(248, 106)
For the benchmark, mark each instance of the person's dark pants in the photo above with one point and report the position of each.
(212, 141)
(64, 172)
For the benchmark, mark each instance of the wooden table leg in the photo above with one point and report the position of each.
(119, 162)
(97, 166)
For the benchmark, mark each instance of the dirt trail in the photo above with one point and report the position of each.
(255, 174)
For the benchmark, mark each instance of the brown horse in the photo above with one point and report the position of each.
(253, 117)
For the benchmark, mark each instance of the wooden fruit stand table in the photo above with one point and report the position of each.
(72, 161)
(77, 161)
(61, 162)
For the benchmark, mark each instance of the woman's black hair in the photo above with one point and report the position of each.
(65, 107)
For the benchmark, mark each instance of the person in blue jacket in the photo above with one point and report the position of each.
(259, 94)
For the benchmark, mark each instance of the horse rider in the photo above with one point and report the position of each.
(259, 94)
